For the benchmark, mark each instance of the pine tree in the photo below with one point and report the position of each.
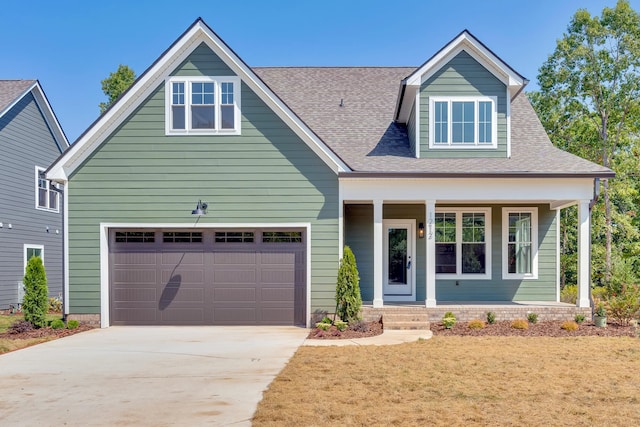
(36, 293)
(348, 299)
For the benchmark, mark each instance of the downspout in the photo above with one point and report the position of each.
(60, 191)
(596, 195)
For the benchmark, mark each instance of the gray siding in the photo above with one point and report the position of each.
(265, 175)
(26, 142)
(411, 129)
(463, 76)
(359, 235)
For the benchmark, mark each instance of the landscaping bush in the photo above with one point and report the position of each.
(599, 293)
(73, 324)
(36, 302)
(359, 326)
(532, 318)
(323, 326)
(325, 319)
(569, 294)
(449, 320)
(579, 318)
(476, 324)
(55, 304)
(342, 326)
(57, 324)
(348, 299)
(19, 327)
(569, 325)
(520, 324)
(491, 318)
(624, 306)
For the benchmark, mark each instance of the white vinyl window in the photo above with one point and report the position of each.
(31, 251)
(463, 243)
(463, 122)
(46, 196)
(202, 105)
(520, 243)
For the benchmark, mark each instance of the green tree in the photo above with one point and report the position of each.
(114, 85)
(36, 293)
(589, 104)
(348, 299)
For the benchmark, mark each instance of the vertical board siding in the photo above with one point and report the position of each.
(266, 174)
(463, 76)
(26, 142)
(359, 235)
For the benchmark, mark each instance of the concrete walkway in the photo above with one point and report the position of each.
(145, 376)
(388, 337)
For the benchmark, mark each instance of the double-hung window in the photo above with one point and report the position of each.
(520, 243)
(463, 243)
(202, 105)
(463, 122)
(46, 196)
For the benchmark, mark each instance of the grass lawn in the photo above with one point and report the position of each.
(460, 381)
(7, 345)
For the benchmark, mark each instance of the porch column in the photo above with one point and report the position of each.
(430, 208)
(377, 254)
(584, 252)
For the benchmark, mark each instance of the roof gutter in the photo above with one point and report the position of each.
(417, 175)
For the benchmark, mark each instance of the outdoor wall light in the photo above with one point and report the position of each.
(201, 209)
(421, 230)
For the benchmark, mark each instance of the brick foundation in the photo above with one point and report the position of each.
(91, 319)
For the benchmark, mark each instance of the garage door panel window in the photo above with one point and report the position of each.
(135, 237)
(234, 237)
(282, 237)
(182, 237)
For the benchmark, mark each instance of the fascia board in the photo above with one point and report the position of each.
(50, 117)
(155, 75)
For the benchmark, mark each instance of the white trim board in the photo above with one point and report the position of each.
(155, 76)
(104, 254)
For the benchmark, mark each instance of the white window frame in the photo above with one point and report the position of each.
(487, 240)
(476, 144)
(217, 81)
(534, 243)
(31, 246)
(49, 191)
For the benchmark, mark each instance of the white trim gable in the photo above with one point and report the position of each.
(154, 76)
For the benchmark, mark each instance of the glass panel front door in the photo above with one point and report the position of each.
(398, 258)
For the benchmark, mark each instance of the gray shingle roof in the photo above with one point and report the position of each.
(363, 134)
(10, 90)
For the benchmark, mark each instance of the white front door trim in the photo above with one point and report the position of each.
(408, 292)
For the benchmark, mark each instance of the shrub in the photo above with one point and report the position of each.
(624, 306)
(326, 319)
(19, 327)
(323, 326)
(449, 320)
(600, 310)
(520, 324)
(57, 324)
(569, 294)
(579, 318)
(599, 293)
(491, 318)
(348, 299)
(55, 304)
(342, 326)
(476, 324)
(36, 302)
(569, 325)
(72, 324)
(532, 318)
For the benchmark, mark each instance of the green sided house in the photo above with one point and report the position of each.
(216, 193)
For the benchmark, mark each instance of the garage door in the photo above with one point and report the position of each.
(207, 277)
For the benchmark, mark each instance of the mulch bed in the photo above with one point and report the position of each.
(540, 329)
(46, 333)
(367, 329)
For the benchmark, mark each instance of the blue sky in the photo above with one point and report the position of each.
(70, 46)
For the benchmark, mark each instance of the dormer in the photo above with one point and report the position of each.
(457, 104)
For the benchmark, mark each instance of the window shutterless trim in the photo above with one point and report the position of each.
(534, 243)
(218, 105)
(449, 100)
(487, 241)
(40, 171)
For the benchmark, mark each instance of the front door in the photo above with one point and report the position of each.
(399, 260)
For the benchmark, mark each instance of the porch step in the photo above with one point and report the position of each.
(400, 317)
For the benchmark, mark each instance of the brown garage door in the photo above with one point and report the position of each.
(207, 277)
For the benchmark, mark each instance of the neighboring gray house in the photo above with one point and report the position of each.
(30, 211)
(440, 178)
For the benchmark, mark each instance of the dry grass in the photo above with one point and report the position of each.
(7, 345)
(460, 381)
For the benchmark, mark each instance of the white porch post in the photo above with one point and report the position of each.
(377, 254)
(430, 208)
(584, 252)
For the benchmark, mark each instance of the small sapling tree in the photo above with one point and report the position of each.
(348, 299)
(36, 293)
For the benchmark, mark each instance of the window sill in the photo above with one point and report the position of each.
(202, 132)
(442, 276)
(519, 276)
(47, 209)
(463, 147)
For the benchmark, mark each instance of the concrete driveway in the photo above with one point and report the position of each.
(156, 376)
